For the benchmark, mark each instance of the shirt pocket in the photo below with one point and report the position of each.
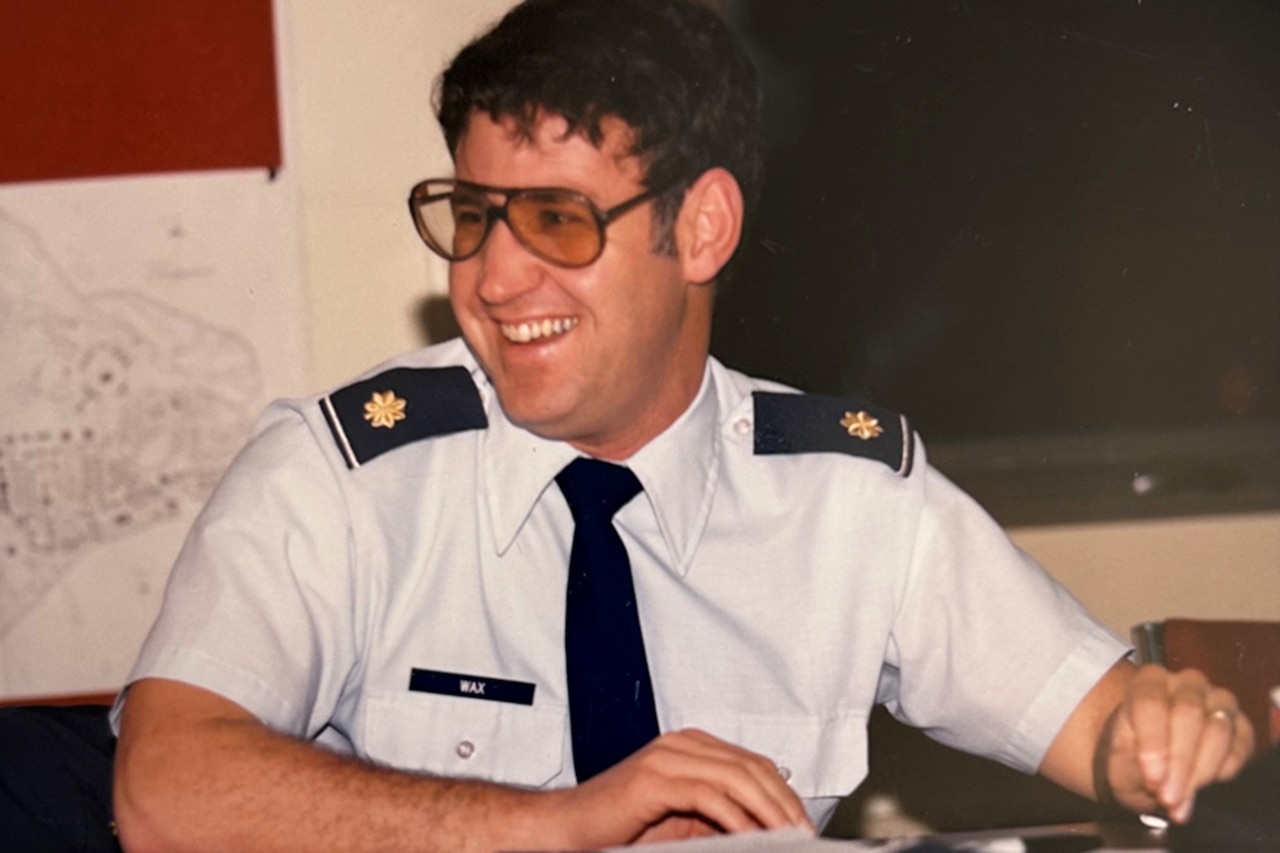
(464, 738)
(820, 757)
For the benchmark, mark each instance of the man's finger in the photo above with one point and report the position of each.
(1188, 714)
(1241, 748)
(713, 803)
(1218, 733)
(1148, 713)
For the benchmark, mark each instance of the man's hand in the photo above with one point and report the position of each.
(1172, 734)
(682, 784)
(1148, 738)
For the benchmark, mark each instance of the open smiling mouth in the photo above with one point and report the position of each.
(523, 333)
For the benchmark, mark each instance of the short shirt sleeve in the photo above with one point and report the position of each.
(988, 653)
(259, 606)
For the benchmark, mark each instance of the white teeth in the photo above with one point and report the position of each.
(522, 333)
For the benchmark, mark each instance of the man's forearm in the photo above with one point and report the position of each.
(232, 784)
(196, 772)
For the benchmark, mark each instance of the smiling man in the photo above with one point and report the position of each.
(407, 620)
(603, 355)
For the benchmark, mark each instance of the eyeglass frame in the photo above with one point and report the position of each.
(494, 212)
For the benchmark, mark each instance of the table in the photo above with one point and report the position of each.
(1059, 838)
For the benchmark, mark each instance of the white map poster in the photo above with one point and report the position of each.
(144, 323)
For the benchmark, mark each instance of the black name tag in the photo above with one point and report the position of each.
(471, 686)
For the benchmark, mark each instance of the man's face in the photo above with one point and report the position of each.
(606, 356)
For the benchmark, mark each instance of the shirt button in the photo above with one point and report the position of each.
(466, 749)
(742, 426)
(785, 773)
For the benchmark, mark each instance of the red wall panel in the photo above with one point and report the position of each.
(113, 87)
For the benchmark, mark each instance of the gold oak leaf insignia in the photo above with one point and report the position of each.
(384, 409)
(861, 425)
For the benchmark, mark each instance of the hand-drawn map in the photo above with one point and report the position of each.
(119, 407)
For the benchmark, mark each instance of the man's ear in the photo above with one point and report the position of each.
(709, 225)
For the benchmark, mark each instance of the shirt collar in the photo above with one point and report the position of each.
(517, 467)
(677, 469)
(679, 472)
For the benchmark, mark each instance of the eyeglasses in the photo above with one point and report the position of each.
(560, 226)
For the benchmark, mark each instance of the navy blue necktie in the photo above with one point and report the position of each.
(611, 710)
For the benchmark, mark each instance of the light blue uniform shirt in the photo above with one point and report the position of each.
(781, 597)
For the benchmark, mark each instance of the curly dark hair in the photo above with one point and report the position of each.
(671, 69)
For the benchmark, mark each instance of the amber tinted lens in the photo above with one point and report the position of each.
(557, 225)
(452, 220)
(470, 220)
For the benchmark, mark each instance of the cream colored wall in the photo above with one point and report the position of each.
(359, 132)
(1225, 567)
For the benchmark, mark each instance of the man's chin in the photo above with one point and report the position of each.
(543, 417)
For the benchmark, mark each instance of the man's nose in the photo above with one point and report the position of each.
(507, 268)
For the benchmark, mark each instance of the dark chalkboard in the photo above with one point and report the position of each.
(1047, 231)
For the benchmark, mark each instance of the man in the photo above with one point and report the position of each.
(366, 643)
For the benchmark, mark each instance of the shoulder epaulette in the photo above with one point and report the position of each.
(812, 423)
(401, 406)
